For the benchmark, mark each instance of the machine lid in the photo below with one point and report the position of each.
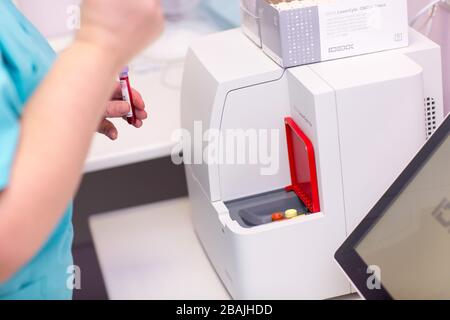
(302, 163)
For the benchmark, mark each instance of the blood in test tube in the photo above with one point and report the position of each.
(127, 94)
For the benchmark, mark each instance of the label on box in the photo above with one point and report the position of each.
(354, 27)
(296, 33)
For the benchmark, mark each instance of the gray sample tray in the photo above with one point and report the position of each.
(257, 210)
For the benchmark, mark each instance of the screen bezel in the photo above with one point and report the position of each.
(347, 256)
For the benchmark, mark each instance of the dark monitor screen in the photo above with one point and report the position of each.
(406, 237)
(412, 238)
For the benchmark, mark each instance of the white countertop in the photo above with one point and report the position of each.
(157, 75)
(151, 252)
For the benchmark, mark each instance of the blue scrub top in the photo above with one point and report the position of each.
(25, 58)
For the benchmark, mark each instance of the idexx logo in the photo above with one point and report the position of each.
(347, 47)
(374, 279)
(442, 214)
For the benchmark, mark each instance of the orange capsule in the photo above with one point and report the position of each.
(277, 216)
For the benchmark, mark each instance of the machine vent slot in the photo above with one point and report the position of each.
(430, 116)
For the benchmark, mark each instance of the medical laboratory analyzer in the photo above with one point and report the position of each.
(347, 124)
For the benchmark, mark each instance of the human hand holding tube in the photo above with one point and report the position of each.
(117, 108)
(120, 28)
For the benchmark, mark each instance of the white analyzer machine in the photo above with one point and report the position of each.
(346, 129)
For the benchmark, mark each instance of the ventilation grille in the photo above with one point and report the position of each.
(430, 116)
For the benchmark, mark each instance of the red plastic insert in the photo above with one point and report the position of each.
(302, 162)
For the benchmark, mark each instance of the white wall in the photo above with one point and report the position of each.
(441, 34)
(50, 16)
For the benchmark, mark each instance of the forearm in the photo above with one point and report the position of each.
(56, 130)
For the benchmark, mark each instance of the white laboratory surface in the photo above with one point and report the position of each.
(152, 252)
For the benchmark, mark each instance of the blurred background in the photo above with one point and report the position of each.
(439, 31)
(51, 18)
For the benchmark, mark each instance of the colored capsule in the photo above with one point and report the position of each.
(291, 213)
(277, 216)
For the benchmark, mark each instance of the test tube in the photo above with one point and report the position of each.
(127, 94)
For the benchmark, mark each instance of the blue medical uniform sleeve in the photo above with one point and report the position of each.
(9, 125)
(25, 59)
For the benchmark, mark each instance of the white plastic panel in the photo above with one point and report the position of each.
(381, 124)
(207, 82)
(256, 109)
(313, 105)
